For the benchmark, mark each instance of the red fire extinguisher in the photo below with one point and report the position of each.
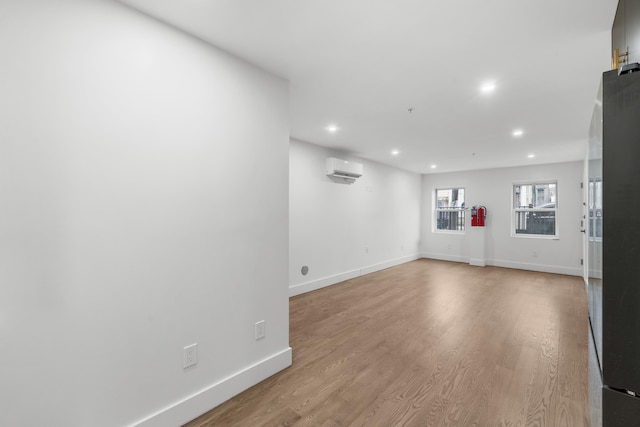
(478, 215)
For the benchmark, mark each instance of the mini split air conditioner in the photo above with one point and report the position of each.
(343, 169)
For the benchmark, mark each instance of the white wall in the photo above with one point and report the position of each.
(493, 189)
(143, 207)
(343, 230)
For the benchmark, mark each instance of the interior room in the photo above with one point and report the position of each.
(179, 178)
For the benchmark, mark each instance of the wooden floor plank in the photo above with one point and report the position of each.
(429, 343)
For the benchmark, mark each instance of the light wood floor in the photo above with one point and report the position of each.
(429, 343)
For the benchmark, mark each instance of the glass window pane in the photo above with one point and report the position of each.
(532, 222)
(450, 214)
(450, 198)
(451, 219)
(534, 196)
(595, 208)
(535, 209)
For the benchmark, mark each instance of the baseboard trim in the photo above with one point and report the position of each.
(313, 285)
(445, 257)
(219, 392)
(507, 264)
(537, 267)
(477, 262)
(388, 264)
(337, 278)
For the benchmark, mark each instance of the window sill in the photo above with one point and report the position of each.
(461, 232)
(536, 236)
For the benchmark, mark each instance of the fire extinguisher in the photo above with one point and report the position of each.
(478, 215)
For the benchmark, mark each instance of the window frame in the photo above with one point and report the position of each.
(515, 211)
(436, 209)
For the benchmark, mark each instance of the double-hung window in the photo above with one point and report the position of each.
(535, 208)
(449, 209)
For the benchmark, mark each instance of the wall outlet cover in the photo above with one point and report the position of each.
(260, 330)
(190, 356)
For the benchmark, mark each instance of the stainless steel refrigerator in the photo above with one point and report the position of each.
(613, 287)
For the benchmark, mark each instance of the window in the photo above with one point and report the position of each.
(535, 209)
(595, 209)
(449, 212)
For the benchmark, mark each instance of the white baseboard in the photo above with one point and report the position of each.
(217, 393)
(337, 278)
(537, 267)
(507, 264)
(445, 257)
(387, 264)
(313, 285)
(477, 262)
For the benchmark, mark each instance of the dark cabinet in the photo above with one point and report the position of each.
(614, 252)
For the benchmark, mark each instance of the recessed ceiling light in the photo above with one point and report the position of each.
(517, 132)
(531, 156)
(434, 166)
(395, 152)
(488, 87)
(332, 128)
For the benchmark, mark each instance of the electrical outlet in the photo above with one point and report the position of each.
(190, 356)
(260, 330)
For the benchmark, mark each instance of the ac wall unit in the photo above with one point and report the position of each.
(343, 168)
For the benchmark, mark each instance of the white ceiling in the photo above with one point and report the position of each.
(361, 64)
